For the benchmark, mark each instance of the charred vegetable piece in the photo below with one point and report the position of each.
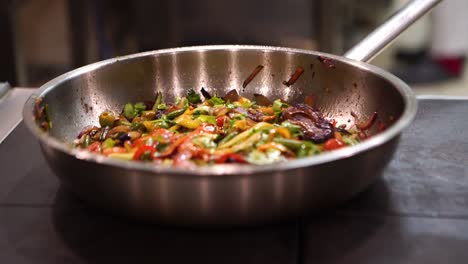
(252, 75)
(299, 71)
(232, 96)
(364, 125)
(313, 125)
(262, 100)
(205, 93)
(231, 158)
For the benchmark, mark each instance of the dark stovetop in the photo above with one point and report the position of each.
(418, 213)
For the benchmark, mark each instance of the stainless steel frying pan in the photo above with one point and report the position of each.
(229, 194)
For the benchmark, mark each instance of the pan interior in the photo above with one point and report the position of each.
(339, 87)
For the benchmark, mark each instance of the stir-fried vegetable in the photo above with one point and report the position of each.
(217, 130)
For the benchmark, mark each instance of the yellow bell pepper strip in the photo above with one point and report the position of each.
(187, 121)
(242, 136)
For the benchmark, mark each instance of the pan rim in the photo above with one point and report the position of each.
(405, 119)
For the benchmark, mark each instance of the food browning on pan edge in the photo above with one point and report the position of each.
(216, 130)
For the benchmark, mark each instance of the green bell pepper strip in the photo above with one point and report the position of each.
(108, 143)
(176, 113)
(157, 101)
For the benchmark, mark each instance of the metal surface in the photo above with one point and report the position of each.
(223, 194)
(10, 107)
(375, 42)
(4, 88)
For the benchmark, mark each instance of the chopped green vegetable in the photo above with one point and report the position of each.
(302, 148)
(239, 117)
(139, 107)
(201, 110)
(108, 143)
(157, 101)
(248, 104)
(291, 144)
(193, 97)
(176, 113)
(87, 141)
(129, 111)
(215, 100)
(278, 106)
(158, 123)
(207, 119)
(106, 119)
(308, 149)
(349, 140)
(123, 123)
(248, 143)
(136, 126)
(244, 135)
(47, 115)
(294, 129)
(161, 106)
(207, 130)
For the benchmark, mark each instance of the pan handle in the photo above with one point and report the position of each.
(375, 42)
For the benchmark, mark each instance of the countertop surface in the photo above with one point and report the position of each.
(417, 213)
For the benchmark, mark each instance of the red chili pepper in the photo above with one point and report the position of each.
(95, 147)
(142, 150)
(382, 126)
(141, 141)
(333, 143)
(220, 120)
(294, 77)
(365, 124)
(164, 133)
(230, 157)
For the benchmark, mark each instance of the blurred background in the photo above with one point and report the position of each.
(41, 39)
